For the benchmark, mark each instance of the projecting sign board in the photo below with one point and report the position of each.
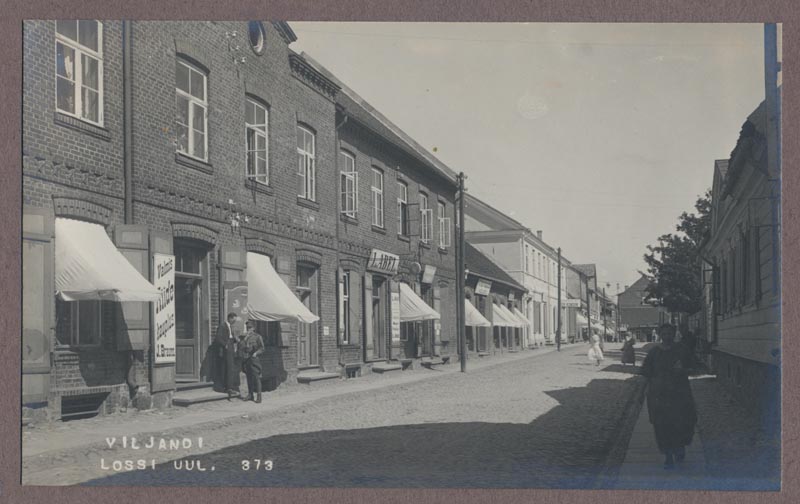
(483, 287)
(570, 303)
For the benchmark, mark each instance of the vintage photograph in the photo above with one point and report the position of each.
(401, 255)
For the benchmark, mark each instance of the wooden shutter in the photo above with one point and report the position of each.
(133, 318)
(38, 302)
(368, 343)
(439, 336)
(162, 376)
(355, 303)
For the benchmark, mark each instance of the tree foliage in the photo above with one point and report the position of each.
(673, 262)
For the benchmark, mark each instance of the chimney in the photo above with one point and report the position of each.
(539, 234)
(626, 287)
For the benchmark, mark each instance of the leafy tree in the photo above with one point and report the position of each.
(673, 263)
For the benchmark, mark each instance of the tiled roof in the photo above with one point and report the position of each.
(480, 265)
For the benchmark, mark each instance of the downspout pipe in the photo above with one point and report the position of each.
(127, 122)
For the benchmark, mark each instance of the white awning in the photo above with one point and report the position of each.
(581, 320)
(89, 266)
(474, 317)
(522, 318)
(503, 318)
(268, 297)
(413, 308)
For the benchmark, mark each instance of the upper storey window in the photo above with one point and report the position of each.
(191, 120)
(79, 69)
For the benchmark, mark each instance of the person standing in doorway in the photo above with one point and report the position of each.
(251, 347)
(670, 404)
(227, 371)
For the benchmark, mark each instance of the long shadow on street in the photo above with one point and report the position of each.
(567, 447)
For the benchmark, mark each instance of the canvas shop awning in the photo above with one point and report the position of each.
(413, 308)
(522, 318)
(473, 316)
(503, 318)
(268, 297)
(581, 320)
(89, 266)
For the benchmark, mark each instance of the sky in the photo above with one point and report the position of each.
(599, 135)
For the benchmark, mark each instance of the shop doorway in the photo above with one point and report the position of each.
(308, 334)
(425, 332)
(191, 308)
(378, 322)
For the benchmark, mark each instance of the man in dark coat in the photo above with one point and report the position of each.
(227, 370)
(251, 346)
(669, 396)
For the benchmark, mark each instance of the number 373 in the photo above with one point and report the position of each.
(257, 465)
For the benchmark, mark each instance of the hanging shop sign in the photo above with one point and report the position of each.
(483, 287)
(570, 303)
(164, 308)
(383, 262)
(395, 309)
(428, 273)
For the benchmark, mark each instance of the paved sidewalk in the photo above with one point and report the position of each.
(643, 467)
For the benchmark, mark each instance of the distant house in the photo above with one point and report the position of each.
(640, 317)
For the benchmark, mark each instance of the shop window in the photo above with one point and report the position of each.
(306, 163)
(191, 123)
(79, 323)
(79, 69)
(344, 309)
(256, 127)
(377, 197)
(348, 185)
(270, 332)
(402, 209)
(444, 227)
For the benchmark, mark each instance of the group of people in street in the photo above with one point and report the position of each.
(670, 405)
(229, 355)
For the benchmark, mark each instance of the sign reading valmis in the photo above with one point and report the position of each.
(164, 308)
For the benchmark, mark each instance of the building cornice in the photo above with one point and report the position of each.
(311, 77)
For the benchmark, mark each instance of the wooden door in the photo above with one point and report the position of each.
(188, 326)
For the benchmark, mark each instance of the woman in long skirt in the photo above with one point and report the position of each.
(595, 352)
(628, 354)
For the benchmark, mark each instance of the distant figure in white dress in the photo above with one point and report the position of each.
(595, 352)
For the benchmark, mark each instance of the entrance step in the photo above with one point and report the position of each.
(429, 363)
(189, 397)
(308, 377)
(192, 385)
(483, 354)
(385, 367)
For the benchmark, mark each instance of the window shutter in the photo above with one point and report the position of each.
(368, 314)
(439, 336)
(162, 377)
(133, 318)
(355, 300)
(38, 301)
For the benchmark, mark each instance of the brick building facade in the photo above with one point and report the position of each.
(210, 141)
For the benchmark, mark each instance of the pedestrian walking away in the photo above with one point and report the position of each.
(628, 353)
(670, 404)
(227, 373)
(595, 352)
(251, 347)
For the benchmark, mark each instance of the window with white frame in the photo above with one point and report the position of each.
(79, 69)
(78, 323)
(191, 122)
(377, 197)
(306, 163)
(444, 226)
(257, 126)
(402, 209)
(426, 214)
(344, 307)
(348, 184)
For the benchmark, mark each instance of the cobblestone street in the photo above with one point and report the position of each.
(547, 421)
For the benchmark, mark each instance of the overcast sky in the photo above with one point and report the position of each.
(598, 134)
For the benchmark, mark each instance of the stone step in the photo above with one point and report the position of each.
(314, 376)
(189, 397)
(385, 367)
(429, 363)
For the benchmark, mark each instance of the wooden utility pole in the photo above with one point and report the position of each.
(558, 318)
(460, 276)
(603, 309)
